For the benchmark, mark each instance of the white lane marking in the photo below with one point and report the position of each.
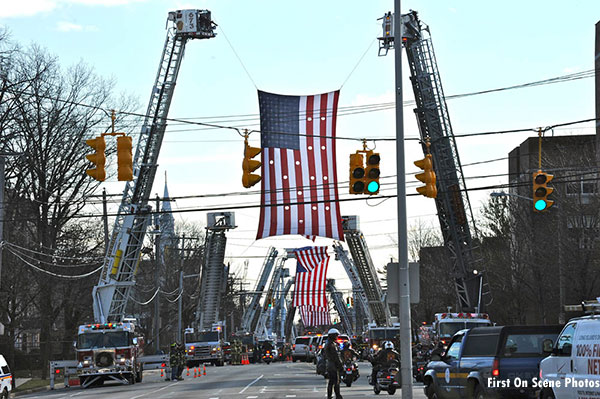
(148, 393)
(290, 396)
(251, 397)
(75, 394)
(214, 398)
(249, 385)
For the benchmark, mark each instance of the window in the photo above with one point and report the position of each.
(564, 343)
(481, 345)
(525, 345)
(454, 349)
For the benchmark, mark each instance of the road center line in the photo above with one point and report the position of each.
(249, 385)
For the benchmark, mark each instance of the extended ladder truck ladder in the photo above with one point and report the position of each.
(281, 311)
(289, 328)
(361, 304)
(452, 202)
(111, 294)
(366, 271)
(261, 327)
(213, 279)
(340, 307)
(250, 315)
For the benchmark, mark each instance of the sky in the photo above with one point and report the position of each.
(310, 47)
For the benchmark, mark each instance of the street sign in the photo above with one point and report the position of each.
(394, 284)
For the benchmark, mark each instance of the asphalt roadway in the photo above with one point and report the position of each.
(255, 381)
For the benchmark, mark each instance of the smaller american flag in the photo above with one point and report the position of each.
(311, 277)
(312, 316)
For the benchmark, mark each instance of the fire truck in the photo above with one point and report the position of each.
(445, 325)
(204, 346)
(109, 351)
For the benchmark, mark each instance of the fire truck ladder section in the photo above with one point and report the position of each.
(281, 309)
(251, 314)
(111, 295)
(366, 271)
(360, 299)
(262, 331)
(340, 307)
(452, 202)
(213, 279)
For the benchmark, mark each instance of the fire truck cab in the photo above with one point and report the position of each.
(109, 351)
(445, 325)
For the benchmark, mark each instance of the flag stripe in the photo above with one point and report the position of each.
(311, 277)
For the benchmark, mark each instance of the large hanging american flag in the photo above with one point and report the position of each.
(312, 316)
(311, 277)
(299, 176)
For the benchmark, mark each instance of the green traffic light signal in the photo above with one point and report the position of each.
(373, 187)
(540, 205)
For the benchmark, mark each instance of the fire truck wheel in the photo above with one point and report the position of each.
(131, 378)
(4, 394)
(140, 374)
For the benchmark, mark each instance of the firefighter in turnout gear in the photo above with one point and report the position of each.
(334, 364)
(236, 352)
(180, 360)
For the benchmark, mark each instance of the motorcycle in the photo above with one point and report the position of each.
(267, 357)
(350, 373)
(387, 380)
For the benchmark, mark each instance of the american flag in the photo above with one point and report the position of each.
(311, 277)
(311, 316)
(299, 176)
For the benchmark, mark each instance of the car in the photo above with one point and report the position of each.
(573, 368)
(5, 378)
(301, 348)
(484, 362)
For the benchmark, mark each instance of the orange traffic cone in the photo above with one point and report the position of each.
(188, 371)
(204, 369)
(162, 374)
(195, 373)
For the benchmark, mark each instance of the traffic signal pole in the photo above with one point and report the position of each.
(403, 292)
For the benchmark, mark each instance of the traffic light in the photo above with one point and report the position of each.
(427, 177)
(124, 158)
(98, 158)
(541, 191)
(357, 174)
(249, 165)
(372, 173)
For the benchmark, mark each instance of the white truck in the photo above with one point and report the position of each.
(445, 325)
(204, 347)
(109, 351)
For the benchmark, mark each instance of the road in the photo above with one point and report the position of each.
(255, 381)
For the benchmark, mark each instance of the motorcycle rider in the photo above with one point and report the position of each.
(348, 354)
(384, 359)
(334, 363)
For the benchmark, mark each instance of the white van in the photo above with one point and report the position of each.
(5, 378)
(573, 369)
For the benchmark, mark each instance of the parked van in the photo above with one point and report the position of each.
(5, 378)
(573, 368)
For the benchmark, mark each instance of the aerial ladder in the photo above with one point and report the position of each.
(111, 294)
(251, 313)
(280, 311)
(338, 304)
(452, 201)
(367, 274)
(361, 304)
(261, 330)
(213, 278)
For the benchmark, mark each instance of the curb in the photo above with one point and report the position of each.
(28, 391)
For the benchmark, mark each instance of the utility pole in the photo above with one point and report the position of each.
(404, 291)
(180, 301)
(105, 218)
(157, 279)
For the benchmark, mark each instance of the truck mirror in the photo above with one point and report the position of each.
(74, 344)
(135, 341)
(547, 346)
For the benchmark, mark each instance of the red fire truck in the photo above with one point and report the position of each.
(109, 351)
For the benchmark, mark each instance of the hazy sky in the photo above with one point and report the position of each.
(309, 47)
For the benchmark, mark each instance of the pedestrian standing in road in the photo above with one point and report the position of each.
(173, 362)
(180, 360)
(334, 364)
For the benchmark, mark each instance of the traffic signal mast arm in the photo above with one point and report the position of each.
(111, 295)
(452, 200)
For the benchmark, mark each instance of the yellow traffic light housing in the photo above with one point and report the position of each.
(541, 191)
(372, 173)
(249, 165)
(357, 174)
(428, 177)
(124, 158)
(97, 158)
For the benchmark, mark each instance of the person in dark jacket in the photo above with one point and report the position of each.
(334, 364)
(383, 359)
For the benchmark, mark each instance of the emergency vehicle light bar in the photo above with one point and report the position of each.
(464, 316)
